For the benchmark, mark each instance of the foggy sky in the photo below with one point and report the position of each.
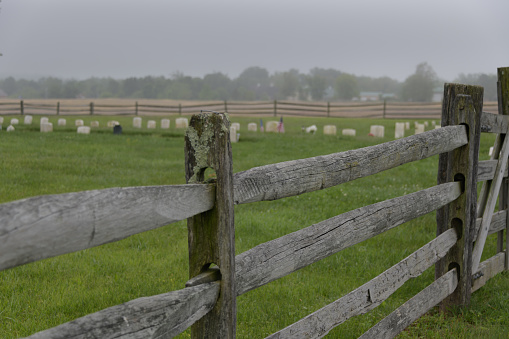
(123, 38)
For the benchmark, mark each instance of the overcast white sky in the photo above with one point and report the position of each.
(122, 38)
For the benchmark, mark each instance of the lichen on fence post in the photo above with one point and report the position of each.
(212, 234)
(462, 105)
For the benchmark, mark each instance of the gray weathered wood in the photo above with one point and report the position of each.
(498, 222)
(160, 316)
(487, 270)
(295, 177)
(414, 308)
(46, 226)
(274, 259)
(462, 105)
(486, 170)
(212, 234)
(490, 206)
(494, 123)
(371, 294)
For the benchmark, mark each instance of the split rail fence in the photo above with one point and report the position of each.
(41, 227)
(383, 109)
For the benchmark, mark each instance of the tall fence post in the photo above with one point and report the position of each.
(180, 109)
(503, 108)
(58, 107)
(136, 108)
(91, 108)
(328, 109)
(275, 107)
(212, 234)
(21, 107)
(385, 108)
(225, 106)
(462, 105)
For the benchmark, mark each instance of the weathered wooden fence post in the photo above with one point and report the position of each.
(462, 105)
(136, 108)
(91, 108)
(21, 108)
(503, 108)
(58, 108)
(275, 107)
(212, 234)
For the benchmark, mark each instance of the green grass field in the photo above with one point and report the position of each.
(41, 295)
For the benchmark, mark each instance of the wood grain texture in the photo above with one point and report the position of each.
(295, 177)
(494, 123)
(46, 226)
(414, 308)
(274, 259)
(486, 170)
(211, 235)
(498, 222)
(161, 316)
(487, 270)
(462, 105)
(371, 294)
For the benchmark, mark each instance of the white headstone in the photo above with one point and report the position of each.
(419, 128)
(400, 130)
(271, 126)
(1, 120)
(61, 122)
(236, 125)
(311, 129)
(10, 128)
(94, 123)
(44, 120)
(28, 119)
(136, 122)
(433, 123)
(252, 127)
(112, 123)
(79, 122)
(234, 136)
(165, 123)
(83, 130)
(349, 131)
(426, 123)
(151, 124)
(491, 151)
(377, 131)
(407, 125)
(47, 127)
(181, 123)
(329, 130)
(437, 126)
(14, 121)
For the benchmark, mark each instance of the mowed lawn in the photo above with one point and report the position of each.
(45, 294)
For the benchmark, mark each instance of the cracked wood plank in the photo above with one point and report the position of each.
(486, 170)
(46, 226)
(276, 258)
(494, 123)
(498, 223)
(414, 308)
(142, 317)
(295, 177)
(488, 269)
(371, 294)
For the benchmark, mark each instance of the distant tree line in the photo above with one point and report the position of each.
(254, 83)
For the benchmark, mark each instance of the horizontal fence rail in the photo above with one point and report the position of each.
(370, 295)
(279, 257)
(378, 109)
(46, 226)
(296, 177)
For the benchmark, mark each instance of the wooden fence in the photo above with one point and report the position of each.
(384, 109)
(36, 228)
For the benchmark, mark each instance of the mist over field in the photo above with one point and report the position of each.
(120, 39)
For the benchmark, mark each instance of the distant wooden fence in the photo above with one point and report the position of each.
(384, 109)
(36, 228)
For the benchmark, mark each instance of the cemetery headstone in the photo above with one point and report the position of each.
(61, 122)
(94, 123)
(236, 125)
(47, 127)
(400, 130)
(83, 130)
(14, 121)
(151, 124)
(181, 123)
(234, 136)
(377, 131)
(10, 128)
(407, 125)
(349, 132)
(165, 123)
(44, 120)
(137, 122)
(112, 123)
(419, 128)
(271, 126)
(28, 119)
(252, 127)
(329, 130)
(117, 129)
(79, 122)
(1, 120)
